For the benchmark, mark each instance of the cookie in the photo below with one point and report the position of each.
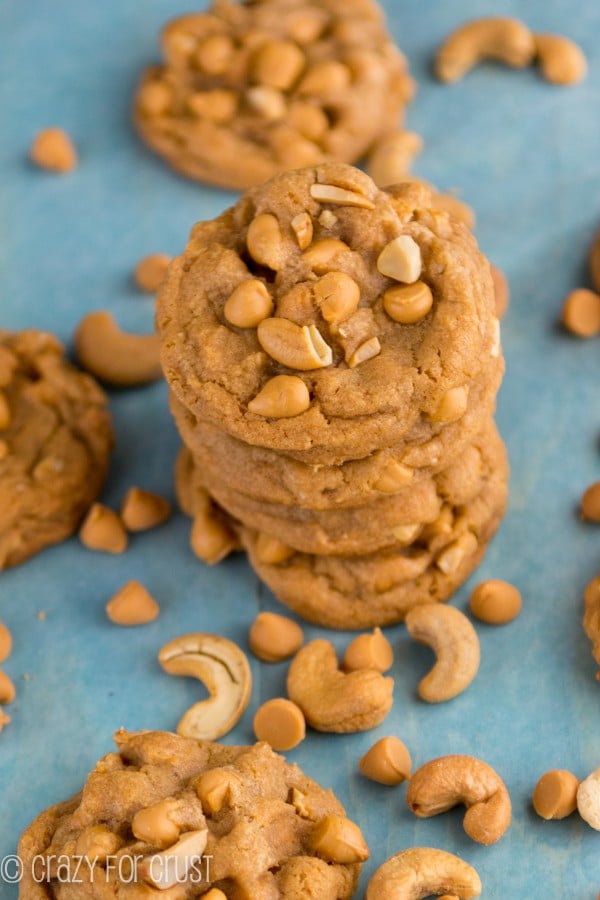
(378, 589)
(351, 385)
(251, 89)
(55, 440)
(396, 520)
(257, 812)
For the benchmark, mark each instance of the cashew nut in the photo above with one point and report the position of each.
(500, 38)
(114, 356)
(454, 640)
(332, 700)
(223, 668)
(421, 871)
(165, 870)
(561, 60)
(443, 783)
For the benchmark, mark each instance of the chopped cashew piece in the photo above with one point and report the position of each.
(422, 871)
(114, 356)
(296, 346)
(132, 605)
(588, 799)
(454, 640)
(164, 870)
(499, 38)
(223, 668)
(332, 700)
(443, 783)
(401, 259)
(331, 193)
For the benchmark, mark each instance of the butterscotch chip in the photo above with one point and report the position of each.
(555, 794)
(211, 538)
(581, 313)
(271, 550)
(5, 642)
(338, 840)
(7, 688)
(495, 602)
(150, 272)
(501, 291)
(54, 150)
(103, 530)
(143, 509)
(369, 651)
(280, 723)
(132, 605)
(408, 303)
(388, 762)
(273, 638)
(590, 503)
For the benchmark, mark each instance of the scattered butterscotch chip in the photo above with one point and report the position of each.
(280, 723)
(142, 509)
(501, 291)
(4, 719)
(369, 651)
(103, 530)
(7, 688)
(5, 642)
(53, 149)
(590, 503)
(150, 271)
(581, 313)
(495, 602)
(555, 794)
(273, 638)
(132, 605)
(387, 762)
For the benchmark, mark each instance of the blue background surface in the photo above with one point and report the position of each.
(525, 155)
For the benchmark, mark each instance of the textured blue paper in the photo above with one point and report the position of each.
(525, 155)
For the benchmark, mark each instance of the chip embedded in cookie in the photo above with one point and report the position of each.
(55, 440)
(167, 811)
(248, 89)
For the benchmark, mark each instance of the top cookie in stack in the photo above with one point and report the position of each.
(332, 351)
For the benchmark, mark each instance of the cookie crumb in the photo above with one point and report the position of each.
(150, 271)
(53, 149)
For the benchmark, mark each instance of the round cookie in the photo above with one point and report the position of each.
(420, 375)
(55, 440)
(397, 520)
(259, 814)
(269, 476)
(251, 89)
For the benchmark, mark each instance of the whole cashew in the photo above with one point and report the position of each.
(223, 668)
(443, 783)
(455, 643)
(114, 356)
(500, 38)
(332, 700)
(421, 871)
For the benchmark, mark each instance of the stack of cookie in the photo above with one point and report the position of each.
(334, 358)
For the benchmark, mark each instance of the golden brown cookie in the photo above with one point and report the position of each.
(324, 375)
(239, 819)
(55, 439)
(251, 89)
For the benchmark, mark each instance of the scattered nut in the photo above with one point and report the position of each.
(401, 259)
(500, 38)
(271, 550)
(7, 688)
(295, 346)
(248, 304)
(331, 193)
(265, 241)
(581, 313)
(53, 149)
(223, 668)
(591, 617)
(5, 642)
(495, 602)
(103, 529)
(408, 303)
(332, 700)
(114, 356)
(395, 477)
(387, 762)
(392, 158)
(555, 794)
(132, 605)
(368, 350)
(282, 397)
(369, 651)
(142, 509)
(165, 870)
(501, 291)
(454, 554)
(338, 840)
(150, 272)
(561, 60)
(302, 227)
(588, 799)
(443, 783)
(211, 538)
(590, 503)
(456, 645)
(422, 871)
(337, 296)
(273, 637)
(280, 723)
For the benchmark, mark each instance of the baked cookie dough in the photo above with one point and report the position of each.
(55, 440)
(360, 380)
(160, 791)
(251, 89)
